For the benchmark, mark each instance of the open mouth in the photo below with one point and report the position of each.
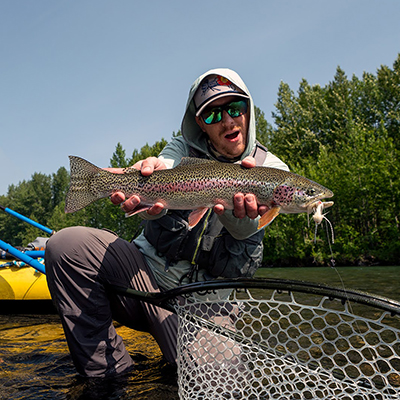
(231, 136)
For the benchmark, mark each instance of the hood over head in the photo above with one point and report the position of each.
(196, 102)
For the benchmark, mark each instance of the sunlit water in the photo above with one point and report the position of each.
(35, 362)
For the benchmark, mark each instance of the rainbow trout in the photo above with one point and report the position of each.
(197, 184)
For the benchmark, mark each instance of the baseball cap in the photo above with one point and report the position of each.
(214, 87)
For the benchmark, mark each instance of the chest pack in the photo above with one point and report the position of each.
(208, 245)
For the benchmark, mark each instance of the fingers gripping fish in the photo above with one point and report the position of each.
(196, 184)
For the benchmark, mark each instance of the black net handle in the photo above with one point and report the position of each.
(163, 299)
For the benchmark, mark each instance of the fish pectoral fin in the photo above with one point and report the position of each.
(268, 217)
(196, 215)
(137, 210)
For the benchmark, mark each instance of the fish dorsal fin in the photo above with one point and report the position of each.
(193, 161)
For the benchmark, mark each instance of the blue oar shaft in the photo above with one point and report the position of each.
(30, 253)
(35, 253)
(22, 256)
(28, 220)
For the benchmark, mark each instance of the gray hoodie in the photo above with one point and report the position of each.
(194, 137)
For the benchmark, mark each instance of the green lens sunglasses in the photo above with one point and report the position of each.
(234, 109)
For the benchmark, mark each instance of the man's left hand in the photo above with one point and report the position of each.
(244, 205)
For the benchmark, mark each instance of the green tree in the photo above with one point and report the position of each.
(102, 213)
(118, 159)
(148, 151)
(59, 186)
(388, 83)
(32, 199)
(263, 128)
(345, 136)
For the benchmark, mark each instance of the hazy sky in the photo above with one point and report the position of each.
(77, 77)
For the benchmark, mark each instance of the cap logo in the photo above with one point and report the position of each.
(213, 83)
(212, 88)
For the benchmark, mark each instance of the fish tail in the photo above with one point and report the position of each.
(81, 190)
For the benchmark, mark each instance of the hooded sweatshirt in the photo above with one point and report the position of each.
(194, 138)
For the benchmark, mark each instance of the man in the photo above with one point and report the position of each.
(219, 124)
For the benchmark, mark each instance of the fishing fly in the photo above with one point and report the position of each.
(317, 208)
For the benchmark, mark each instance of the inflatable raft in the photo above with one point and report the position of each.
(23, 290)
(22, 283)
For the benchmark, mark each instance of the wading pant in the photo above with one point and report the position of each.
(79, 263)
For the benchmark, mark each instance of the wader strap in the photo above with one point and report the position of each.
(259, 154)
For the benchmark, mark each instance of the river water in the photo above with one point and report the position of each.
(35, 362)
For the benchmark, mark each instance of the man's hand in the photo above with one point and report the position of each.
(244, 205)
(146, 167)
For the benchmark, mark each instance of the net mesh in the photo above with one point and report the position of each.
(265, 344)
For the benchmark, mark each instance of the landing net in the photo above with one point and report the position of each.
(269, 344)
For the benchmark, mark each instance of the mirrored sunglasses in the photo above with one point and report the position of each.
(234, 109)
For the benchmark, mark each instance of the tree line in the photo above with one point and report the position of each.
(345, 135)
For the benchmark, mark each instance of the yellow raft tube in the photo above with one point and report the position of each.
(22, 283)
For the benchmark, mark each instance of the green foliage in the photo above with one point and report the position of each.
(39, 199)
(42, 199)
(147, 151)
(345, 136)
(102, 213)
(118, 159)
(59, 186)
(263, 128)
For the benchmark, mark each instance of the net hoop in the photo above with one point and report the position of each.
(283, 339)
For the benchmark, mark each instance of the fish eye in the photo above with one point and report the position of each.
(310, 192)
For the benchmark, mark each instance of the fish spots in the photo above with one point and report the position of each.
(283, 194)
(195, 185)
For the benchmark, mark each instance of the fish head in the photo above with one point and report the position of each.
(298, 194)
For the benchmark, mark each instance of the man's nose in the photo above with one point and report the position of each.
(226, 118)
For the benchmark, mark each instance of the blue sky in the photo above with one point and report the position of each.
(77, 77)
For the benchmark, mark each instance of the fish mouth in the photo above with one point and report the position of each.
(310, 205)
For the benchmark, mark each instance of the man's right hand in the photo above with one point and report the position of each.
(146, 167)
